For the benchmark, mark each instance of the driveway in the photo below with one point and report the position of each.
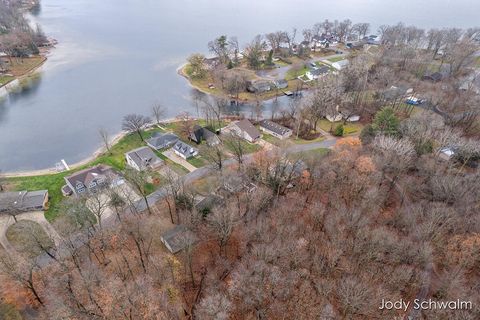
(36, 216)
(172, 156)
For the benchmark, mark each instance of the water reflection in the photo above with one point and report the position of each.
(27, 87)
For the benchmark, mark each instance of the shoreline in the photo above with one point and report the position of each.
(241, 100)
(30, 71)
(94, 155)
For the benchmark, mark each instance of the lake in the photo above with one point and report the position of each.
(116, 57)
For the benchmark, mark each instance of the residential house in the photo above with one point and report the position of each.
(206, 204)
(90, 180)
(246, 130)
(395, 92)
(199, 134)
(280, 83)
(143, 158)
(177, 238)
(334, 116)
(259, 86)
(23, 201)
(235, 183)
(184, 150)
(275, 129)
(315, 73)
(160, 141)
(339, 65)
(434, 77)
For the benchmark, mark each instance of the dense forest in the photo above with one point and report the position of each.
(17, 37)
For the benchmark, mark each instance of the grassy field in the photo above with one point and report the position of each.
(247, 147)
(320, 152)
(336, 59)
(296, 72)
(19, 236)
(20, 66)
(271, 139)
(197, 162)
(303, 141)
(349, 128)
(5, 79)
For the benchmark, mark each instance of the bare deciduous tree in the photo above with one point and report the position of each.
(135, 123)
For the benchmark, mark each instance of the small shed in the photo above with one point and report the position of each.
(177, 238)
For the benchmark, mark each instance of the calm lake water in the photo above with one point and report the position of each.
(119, 56)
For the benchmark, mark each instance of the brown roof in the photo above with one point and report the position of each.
(248, 127)
(88, 175)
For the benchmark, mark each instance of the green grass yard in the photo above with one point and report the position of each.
(5, 79)
(336, 59)
(296, 72)
(320, 152)
(349, 127)
(247, 147)
(197, 162)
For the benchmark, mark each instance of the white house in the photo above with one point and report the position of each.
(184, 150)
(339, 65)
(246, 130)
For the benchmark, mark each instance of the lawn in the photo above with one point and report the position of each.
(5, 79)
(303, 141)
(320, 152)
(53, 183)
(247, 147)
(197, 162)
(349, 127)
(336, 59)
(20, 66)
(296, 72)
(271, 139)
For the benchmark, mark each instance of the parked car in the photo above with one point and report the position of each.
(414, 101)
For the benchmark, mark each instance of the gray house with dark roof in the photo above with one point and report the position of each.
(184, 150)
(275, 129)
(90, 180)
(315, 73)
(143, 158)
(259, 86)
(23, 201)
(199, 134)
(280, 83)
(162, 140)
(246, 130)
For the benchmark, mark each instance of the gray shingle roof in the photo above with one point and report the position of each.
(83, 178)
(162, 140)
(144, 157)
(246, 126)
(319, 71)
(274, 127)
(184, 149)
(175, 238)
(22, 200)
